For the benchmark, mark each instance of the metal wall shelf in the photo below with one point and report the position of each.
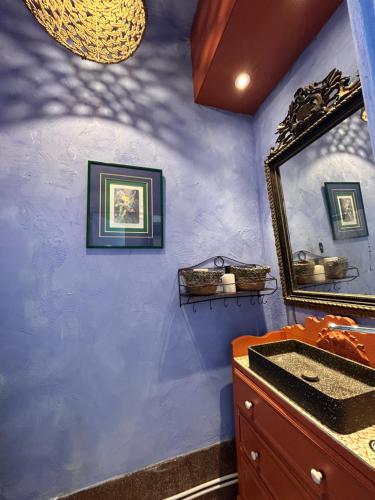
(220, 263)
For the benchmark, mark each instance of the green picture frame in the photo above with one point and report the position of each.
(124, 206)
(346, 210)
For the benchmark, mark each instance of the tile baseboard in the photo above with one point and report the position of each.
(169, 478)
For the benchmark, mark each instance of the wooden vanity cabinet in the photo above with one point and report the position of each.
(283, 455)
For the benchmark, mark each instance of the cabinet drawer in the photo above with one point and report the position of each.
(281, 483)
(292, 443)
(249, 484)
(247, 399)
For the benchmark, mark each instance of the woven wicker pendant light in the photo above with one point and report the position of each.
(104, 31)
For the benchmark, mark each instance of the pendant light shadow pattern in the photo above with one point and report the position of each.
(103, 31)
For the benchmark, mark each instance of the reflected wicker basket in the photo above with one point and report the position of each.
(335, 267)
(202, 282)
(304, 271)
(250, 277)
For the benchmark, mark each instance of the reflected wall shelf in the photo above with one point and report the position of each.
(330, 284)
(333, 284)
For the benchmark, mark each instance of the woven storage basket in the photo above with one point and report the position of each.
(335, 267)
(202, 282)
(304, 271)
(250, 277)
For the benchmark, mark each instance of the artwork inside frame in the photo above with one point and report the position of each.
(124, 206)
(346, 210)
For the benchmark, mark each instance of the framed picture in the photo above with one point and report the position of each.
(124, 206)
(346, 210)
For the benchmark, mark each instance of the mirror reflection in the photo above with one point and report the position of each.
(330, 208)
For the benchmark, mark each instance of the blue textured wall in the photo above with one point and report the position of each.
(101, 372)
(332, 48)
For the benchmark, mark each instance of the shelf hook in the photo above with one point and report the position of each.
(210, 305)
(194, 309)
(225, 302)
(238, 302)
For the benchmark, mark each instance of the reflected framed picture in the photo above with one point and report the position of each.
(346, 210)
(124, 206)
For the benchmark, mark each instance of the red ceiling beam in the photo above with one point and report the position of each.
(261, 37)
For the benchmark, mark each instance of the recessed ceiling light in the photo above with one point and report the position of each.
(242, 81)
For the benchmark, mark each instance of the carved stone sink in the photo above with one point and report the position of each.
(338, 392)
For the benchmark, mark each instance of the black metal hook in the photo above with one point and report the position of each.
(238, 302)
(194, 309)
(210, 305)
(336, 287)
(219, 261)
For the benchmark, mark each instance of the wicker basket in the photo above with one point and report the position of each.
(250, 277)
(202, 282)
(304, 272)
(335, 267)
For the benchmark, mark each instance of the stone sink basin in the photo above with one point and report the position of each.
(338, 392)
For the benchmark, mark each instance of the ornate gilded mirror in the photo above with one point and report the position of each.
(321, 184)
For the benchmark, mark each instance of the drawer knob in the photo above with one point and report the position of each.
(254, 455)
(316, 476)
(248, 405)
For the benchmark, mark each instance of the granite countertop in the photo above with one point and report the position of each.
(357, 442)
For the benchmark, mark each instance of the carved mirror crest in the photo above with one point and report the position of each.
(321, 179)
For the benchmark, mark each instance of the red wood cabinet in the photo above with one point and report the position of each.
(282, 455)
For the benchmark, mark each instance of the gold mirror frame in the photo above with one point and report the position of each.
(315, 109)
